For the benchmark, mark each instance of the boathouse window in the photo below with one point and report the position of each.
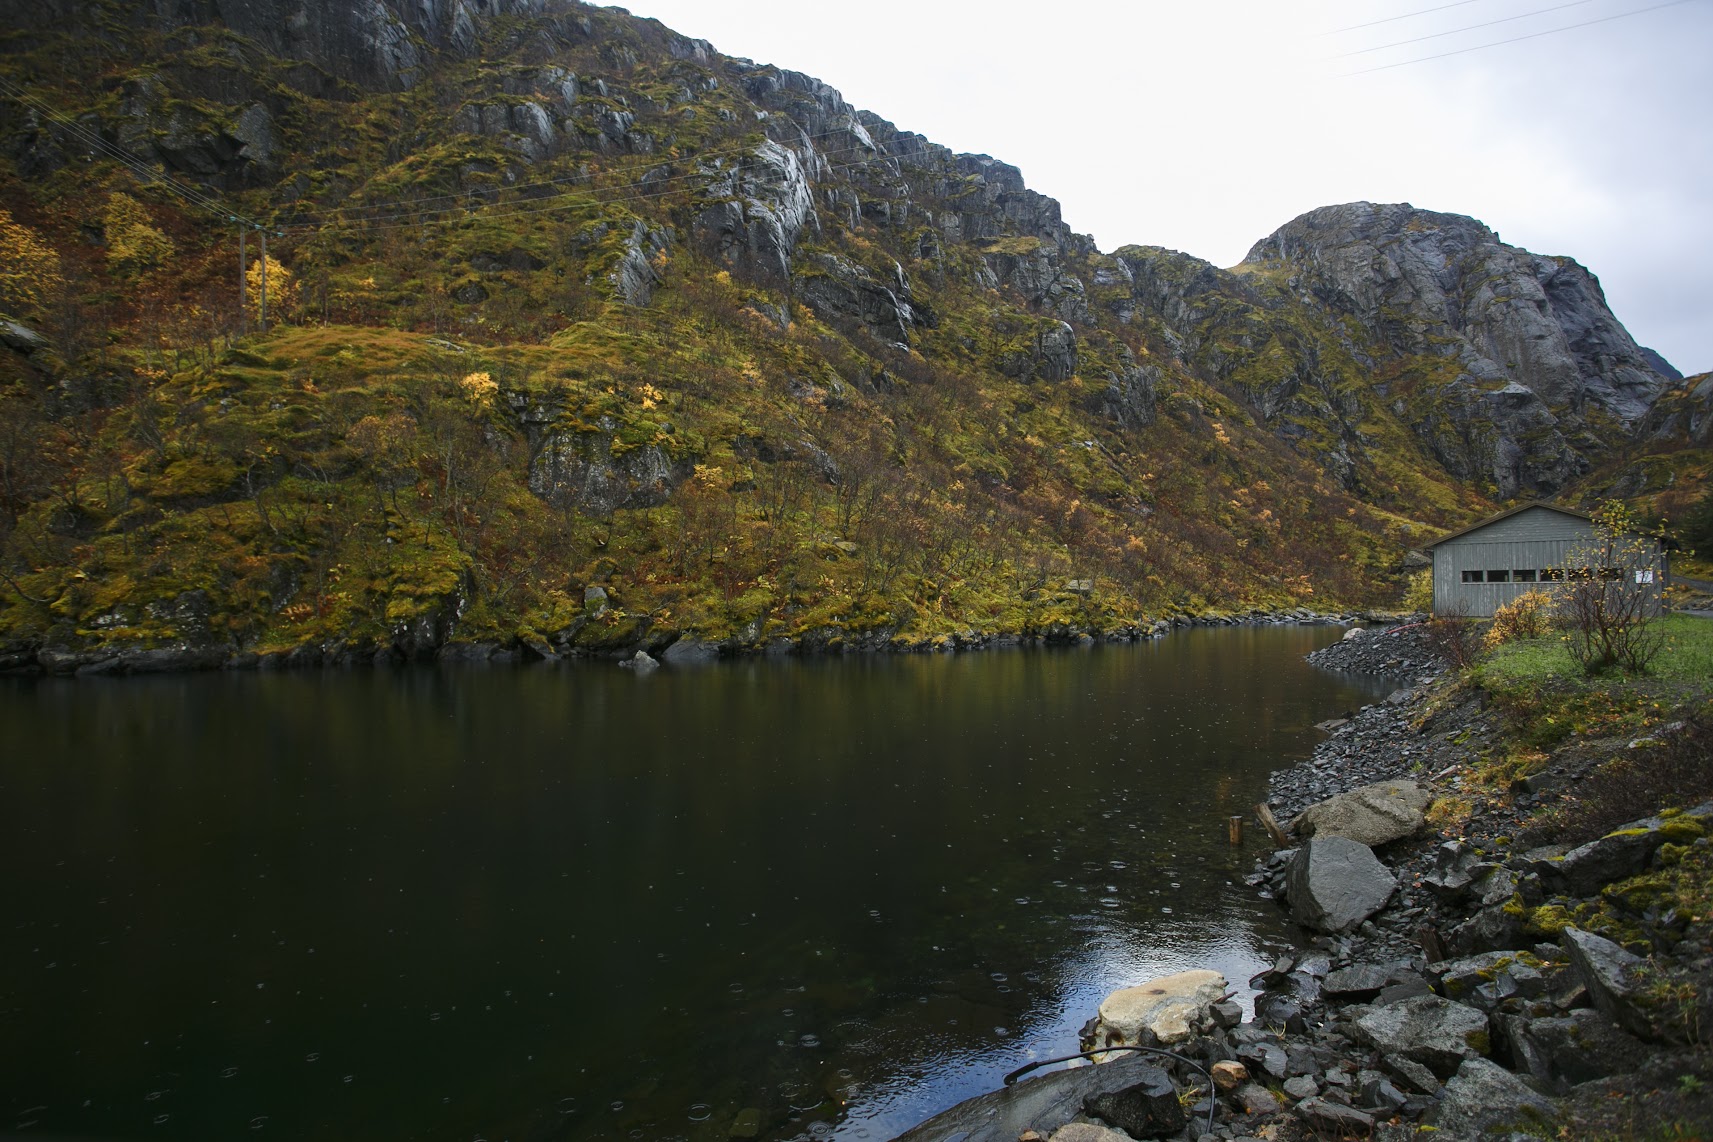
(1472, 576)
(1552, 574)
(1498, 576)
(1523, 575)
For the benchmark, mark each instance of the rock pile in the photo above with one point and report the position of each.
(1400, 651)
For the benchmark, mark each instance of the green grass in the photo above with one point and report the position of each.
(1687, 656)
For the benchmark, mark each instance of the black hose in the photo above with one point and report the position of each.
(1212, 1102)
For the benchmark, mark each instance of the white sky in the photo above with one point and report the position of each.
(1204, 125)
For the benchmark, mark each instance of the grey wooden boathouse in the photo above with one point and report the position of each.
(1487, 564)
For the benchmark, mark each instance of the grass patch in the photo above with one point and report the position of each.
(1686, 657)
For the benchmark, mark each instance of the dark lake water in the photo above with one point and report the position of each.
(573, 903)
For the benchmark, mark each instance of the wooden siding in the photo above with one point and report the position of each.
(1530, 540)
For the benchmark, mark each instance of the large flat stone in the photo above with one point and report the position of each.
(1372, 815)
(1162, 1011)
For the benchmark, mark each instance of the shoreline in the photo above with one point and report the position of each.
(671, 648)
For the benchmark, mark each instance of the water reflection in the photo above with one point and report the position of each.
(833, 896)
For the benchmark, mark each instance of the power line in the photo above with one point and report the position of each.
(1394, 19)
(1469, 28)
(145, 173)
(1514, 39)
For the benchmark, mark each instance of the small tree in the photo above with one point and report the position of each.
(29, 270)
(283, 290)
(133, 242)
(1608, 597)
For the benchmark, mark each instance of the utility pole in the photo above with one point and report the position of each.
(264, 281)
(243, 287)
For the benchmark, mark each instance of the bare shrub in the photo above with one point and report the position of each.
(1454, 637)
(1608, 598)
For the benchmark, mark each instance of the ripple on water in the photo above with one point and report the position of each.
(701, 1112)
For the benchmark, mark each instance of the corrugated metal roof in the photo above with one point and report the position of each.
(1572, 512)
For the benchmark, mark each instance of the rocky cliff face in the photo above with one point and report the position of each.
(1444, 285)
(1506, 366)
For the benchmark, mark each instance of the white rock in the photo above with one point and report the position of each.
(1165, 1010)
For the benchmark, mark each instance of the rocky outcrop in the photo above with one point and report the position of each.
(1445, 285)
(757, 206)
(845, 295)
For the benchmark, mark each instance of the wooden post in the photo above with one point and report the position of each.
(1235, 828)
(1271, 824)
(264, 321)
(243, 285)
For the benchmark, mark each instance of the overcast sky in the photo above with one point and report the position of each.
(1203, 125)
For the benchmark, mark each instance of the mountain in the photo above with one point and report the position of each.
(584, 336)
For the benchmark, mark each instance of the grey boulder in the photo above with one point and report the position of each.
(1484, 1098)
(1578, 1047)
(1610, 974)
(1334, 883)
(1427, 1029)
(1374, 814)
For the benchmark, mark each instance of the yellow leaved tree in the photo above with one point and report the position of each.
(134, 244)
(283, 290)
(29, 269)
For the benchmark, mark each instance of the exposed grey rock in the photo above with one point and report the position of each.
(1301, 1086)
(635, 278)
(1483, 1098)
(1050, 355)
(1586, 869)
(642, 662)
(1412, 1075)
(20, 337)
(1610, 974)
(1255, 1099)
(1335, 1118)
(1486, 980)
(844, 293)
(1491, 928)
(759, 205)
(1538, 347)
(1334, 884)
(1453, 870)
(1129, 397)
(1429, 1030)
(1042, 1103)
(1577, 1047)
(1147, 1108)
(1357, 982)
(690, 652)
(1087, 1132)
(1372, 814)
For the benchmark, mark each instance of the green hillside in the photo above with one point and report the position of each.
(588, 305)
